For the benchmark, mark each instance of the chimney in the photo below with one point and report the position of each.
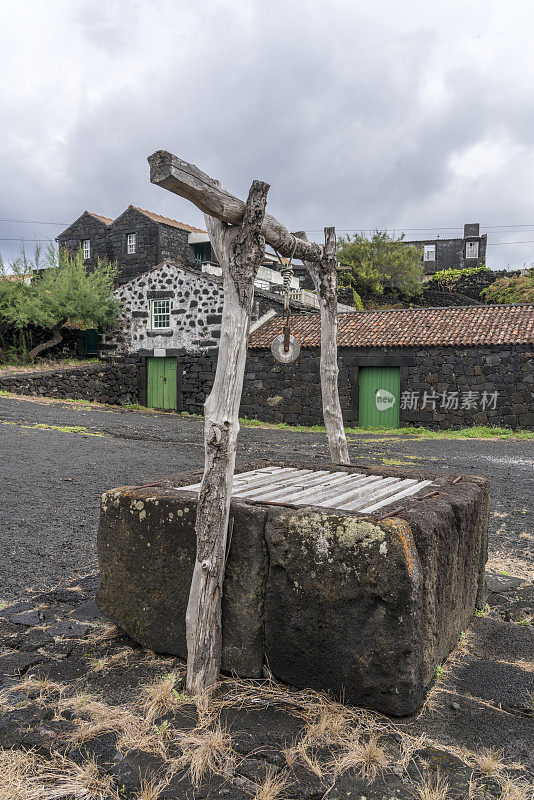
(471, 229)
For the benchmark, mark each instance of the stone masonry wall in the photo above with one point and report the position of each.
(115, 383)
(174, 246)
(196, 308)
(87, 227)
(467, 376)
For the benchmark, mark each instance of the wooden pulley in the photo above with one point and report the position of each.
(285, 348)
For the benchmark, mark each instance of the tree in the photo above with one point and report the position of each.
(63, 293)
(515, 289)
(380, 264)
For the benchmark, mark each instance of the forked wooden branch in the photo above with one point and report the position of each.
(186, 180)
(240, 251)
(324, 276)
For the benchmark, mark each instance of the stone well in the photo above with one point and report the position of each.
(361, 594)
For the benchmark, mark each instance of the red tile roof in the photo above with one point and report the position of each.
(105, 220)
(422, 327)
(167, 221)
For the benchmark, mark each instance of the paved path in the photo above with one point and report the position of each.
(51, 479)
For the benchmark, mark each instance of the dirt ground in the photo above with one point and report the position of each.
(56, 459)
(98, 711)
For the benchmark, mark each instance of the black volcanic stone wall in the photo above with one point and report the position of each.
(292, 393)
(114, 382)
(146, 254)
(88, 227)
(173, 245)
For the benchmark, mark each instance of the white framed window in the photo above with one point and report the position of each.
(471, 249)
(160, 314)
(430, 252)
(86, 245)
(131, 243)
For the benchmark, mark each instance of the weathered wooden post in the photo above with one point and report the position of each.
(324, 276)
(240, 251)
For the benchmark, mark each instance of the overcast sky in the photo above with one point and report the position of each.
(360, 114)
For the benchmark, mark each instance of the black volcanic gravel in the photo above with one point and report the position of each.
(51, 480)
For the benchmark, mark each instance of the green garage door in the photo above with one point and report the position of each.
(161, 383)
(379, 396)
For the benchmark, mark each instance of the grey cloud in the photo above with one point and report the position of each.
(328, 102)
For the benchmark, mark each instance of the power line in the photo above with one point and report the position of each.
(34, 222)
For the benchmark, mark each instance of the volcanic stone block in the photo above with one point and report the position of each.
(364, 606)
(146, 551)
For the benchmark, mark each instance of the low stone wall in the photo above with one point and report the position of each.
(115, 382)
(441, 387)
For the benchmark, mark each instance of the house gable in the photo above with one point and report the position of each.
(195, 308)
(94, 227)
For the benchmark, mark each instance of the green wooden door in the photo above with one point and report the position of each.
(91, 342)
(161, 383)
(379, 397)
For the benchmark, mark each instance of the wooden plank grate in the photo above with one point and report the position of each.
(337, 490)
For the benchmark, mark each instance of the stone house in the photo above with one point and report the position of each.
(459, 253)
(170, 315)
(137, 240)
(438, 367)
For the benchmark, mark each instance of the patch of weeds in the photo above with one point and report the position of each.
(432, 787)
(504, 573)
(206, 750)
(475, 432)
(482, 612)
(24, 775)
(61, 428)
(440, 671)
(365, 756)
(273, 786)
(100, 663)
(162, 697)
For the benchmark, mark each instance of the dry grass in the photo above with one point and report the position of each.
(96, 718)
(488, 761)
(410, 745)
(104, 633)
(162, 697)
(38, 688)
(273, 786)
(516, 790)
(365, 756)
(100, 663)
(303, 753)
(206, 750)
(26, 776)
(431, 787)
(151, 788)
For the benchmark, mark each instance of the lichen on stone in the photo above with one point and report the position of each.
(319, 530)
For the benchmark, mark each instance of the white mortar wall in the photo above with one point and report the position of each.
(195, 298)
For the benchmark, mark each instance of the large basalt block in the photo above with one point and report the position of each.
(362, 605)
(146, 552)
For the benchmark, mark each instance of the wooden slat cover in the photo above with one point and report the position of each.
(335, 490)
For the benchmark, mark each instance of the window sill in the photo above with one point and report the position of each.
(160, 332)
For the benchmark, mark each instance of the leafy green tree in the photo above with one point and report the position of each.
(515, 289)
(381, 264)
(64, 293)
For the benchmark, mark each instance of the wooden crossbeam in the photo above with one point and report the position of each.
(186, 180)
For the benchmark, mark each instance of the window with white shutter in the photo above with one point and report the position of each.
(430, 252)
(471, 249)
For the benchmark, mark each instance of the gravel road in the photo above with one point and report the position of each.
(52, 479)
